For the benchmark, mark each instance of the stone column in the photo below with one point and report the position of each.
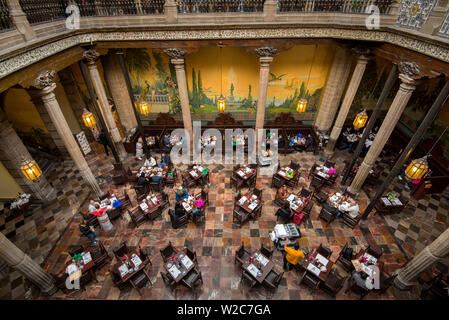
(437, 250)
(91, 56)
(20, 20)
(12, 150)
(73, 94)
(265, 55)
(335, 85)
(116, 83)
(45, 83)
(177, 58)
(408, 71)
(353, 86)
(171, 11)
(22, 262)
(37, 101)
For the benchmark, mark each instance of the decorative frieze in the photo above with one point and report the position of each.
(409, 68)
(175, 53)
(432, 49)
(264, 52)
(91, 56)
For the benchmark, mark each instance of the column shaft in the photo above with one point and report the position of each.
(116, 83)
(20, 20)
(263, 86)
(55, 113)
(346, 105)
(17, 259)
(339, 73)
(183, 95)
(394, 113)
(437, 250)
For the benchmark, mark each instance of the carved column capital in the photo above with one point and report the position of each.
(45, 81)
(176, 53)
(410, 69)
(264, 52)
(91, 56)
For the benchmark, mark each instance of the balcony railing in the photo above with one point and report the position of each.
(5, 21)
(212, 6)
(39, 11)
(342, 6)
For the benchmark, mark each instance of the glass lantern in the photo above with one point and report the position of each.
(221, 104)
(417, 169)
(30, 169)
(302, 104)
(88, 119)
(360, 120)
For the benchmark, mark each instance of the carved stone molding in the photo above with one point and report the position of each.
(44, 79)
(91, 56)
(175, 53)
(361, 51)
(433, 49)
(265, 52)
(410, 69)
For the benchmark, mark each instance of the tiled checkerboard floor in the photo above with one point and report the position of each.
(50, 231)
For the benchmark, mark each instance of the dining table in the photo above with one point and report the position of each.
(258, 266)
(322, 172)
(297, 203)
(197, 172)
(150, 204)
(84, 265)
(188, 204)
(179, 266)
(245, 172)
(286, 173)
(127, 269)
(317, 265)
(248, 202)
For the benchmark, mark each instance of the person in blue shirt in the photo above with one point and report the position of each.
(156, 178)
(181, 194)
(165, 160)
(166, 140)
(291, 142)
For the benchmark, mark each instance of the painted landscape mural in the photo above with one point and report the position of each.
(239, 83)
(153, 79)
(289, 74)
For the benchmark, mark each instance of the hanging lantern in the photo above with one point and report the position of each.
(360, 120)
(302, 104)
(144, 108)
(30, 169)
(417, 168)
(88, 119)
(221, 104)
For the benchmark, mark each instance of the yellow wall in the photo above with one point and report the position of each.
(21, 111)
(66, 109)
(8, 186)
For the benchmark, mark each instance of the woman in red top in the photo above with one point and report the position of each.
(102, 217)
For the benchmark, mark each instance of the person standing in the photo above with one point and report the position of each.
(292, 256)
(103, 217)
(105, 142)
(88, 232)
(139, 148)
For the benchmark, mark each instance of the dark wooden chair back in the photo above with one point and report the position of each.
(168, 251)
(324, 251)
(121, 250)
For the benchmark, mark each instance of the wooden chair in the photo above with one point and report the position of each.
(240, 215)
(329, 163)
(152, 215)
(312, 170)
(293, 182)
(246, 277)
(121, 250)
(104, 196)
(91, 220)
(316, 184)
(60, 282)
(241, 255)
(362, 292)
(375, 252)
(157, 186)
(114, 213)
(308, 208)
(140, 190)
(321, 196)
(131, 176)
(306, 193)
(145, 257)
(267, 252)
(192, 279)
(125, 200)
(178, 221)
(271, 282)
(140, 280)
(76, 250)
(117, 280)
(258, 193)
(345, 260)
(187, 181)
(165, 201)
(386, 280)
(284, 213)
(327, 216)
(168, 280)
(311, 281)
(350, 221)
(204, 195)
(277, 182)
(99, 254)
(192, 255)
(236, 182)
(334, 282)
(170, 182)
(324, 251)
(168, 251)
(294, 165)
(137, 216)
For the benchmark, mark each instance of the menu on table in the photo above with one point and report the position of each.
(144, 206)
(186, 262)
(293, 206)
(386, 201)
(291, 197)
(193, 173)
(253, 270)
(396, 202)
(174, 271)
(314, 269)
(136, 260)
(71, 268)
(186, 206)
(86, 257)
(282, 173)
(242, 200)
(123, 269)
(370, 258)
(322, 259)
(322, 174)
(240, 173)
(262, 259)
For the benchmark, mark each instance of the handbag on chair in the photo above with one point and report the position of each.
(297, 218)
